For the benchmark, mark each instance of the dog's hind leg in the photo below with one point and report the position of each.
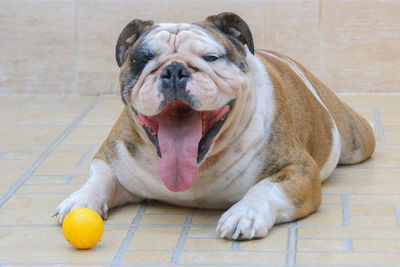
(357, 136)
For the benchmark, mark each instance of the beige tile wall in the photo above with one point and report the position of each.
(67, 46)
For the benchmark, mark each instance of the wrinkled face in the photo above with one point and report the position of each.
(182, 83)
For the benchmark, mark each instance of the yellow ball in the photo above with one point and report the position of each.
(83, 228)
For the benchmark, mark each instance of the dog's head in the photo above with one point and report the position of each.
(183, 83)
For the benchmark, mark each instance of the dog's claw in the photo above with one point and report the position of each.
(252, 233)
(224, 233)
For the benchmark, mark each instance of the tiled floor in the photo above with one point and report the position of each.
(46, 143)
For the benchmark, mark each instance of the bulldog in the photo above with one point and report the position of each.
(209, 122)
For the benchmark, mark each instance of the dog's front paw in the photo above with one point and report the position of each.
(81, 199)
(246, 221)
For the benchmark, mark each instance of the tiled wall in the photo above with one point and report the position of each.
(67, 46)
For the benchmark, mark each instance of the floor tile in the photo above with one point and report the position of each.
(105, 113)
(46, 179)
(160, 207)
(331, 199)
(30, 134)
(11, 176)
(87, 135)
(12, 101)
(17, 163)
(371, 100)
(30, 210)
(371, 210)
(353, 180)
(207, 244)
(321, 245)
(79, 179)
(348, 258)
(122, 215)
(277, 240)
(390, 117)
(23, 148)
(205, 219)
(47, 244)
(50, 189)
(379, 221)
(155, 238)
(384, 156)
(325, 216)
(60, 103)
(147, 257)
(202, 232)
(377, 245)
(4, 189)
(39, 117)
(61, 171)
(162, 219)
(64, 159)
(374, 199)
(348, 232)
(230, 257)
(21, 156)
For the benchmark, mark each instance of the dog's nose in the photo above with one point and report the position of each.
(175, 76)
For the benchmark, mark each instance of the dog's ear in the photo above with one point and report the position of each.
(233, 25)
(129, 35)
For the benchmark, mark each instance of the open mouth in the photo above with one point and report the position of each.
(182, 136)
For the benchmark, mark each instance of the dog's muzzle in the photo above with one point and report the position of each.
(174, 79)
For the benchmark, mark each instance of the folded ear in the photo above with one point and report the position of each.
(233, 25)
(129, 35)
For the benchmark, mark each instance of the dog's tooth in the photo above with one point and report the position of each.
(204, 122)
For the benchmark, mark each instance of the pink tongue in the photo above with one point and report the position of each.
(179, 139)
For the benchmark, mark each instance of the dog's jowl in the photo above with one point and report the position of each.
(210, 122)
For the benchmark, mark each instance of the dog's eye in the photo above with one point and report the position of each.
(210, 58)
(140, 57)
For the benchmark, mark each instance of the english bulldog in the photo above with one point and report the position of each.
(210, 122)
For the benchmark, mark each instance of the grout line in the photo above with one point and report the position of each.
(349, 245)
(182, 238)
(369, 93)
(379, 126)
(86, 156)
(187, 264)
(235, 245)
(198, 264)
(397, 209)
(45, 154)
(292, 243)
(23, 104)
(345, 207)
(63, 99)
(129, 235)
(68, 179)
(373, 215)
(54, 263)
(75, 81)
